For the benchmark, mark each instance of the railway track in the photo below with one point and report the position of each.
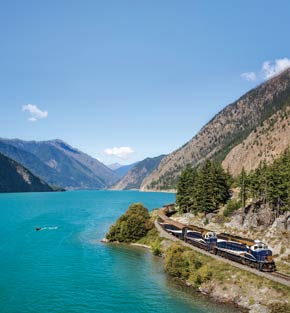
(274, 276)
(281, 275)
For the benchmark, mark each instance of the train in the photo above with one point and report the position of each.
(253, 253)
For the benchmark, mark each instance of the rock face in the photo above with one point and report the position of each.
(134, 178)
(16, 178)
(225, 131)
(255, 216)
(59, 164)
(266, 142)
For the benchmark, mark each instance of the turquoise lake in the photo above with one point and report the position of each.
(64, 267)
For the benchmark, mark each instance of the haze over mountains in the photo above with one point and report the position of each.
(138, 172)
(255, 127)
(59, 164)
(121, 170)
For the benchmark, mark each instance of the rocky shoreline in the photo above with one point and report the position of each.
(235, 290)
(105, 240)
(214, 278)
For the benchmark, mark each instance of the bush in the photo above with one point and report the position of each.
(184, 263)
(132, 225)
(152, 239)
(200, 276)
(232, 206)
(156, 248)
(175, 262)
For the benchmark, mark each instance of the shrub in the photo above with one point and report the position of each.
(232, 206)
(184, 263)
(155, 247)
(132, 225)
(175, 262)
(202, 275)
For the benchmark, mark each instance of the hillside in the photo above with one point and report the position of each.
(120, 169)
(134, 178)
(225, 131)
(16, 178)
(114, 166)
(266, 142)
(59, 164)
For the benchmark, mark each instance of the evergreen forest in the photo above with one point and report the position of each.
(208, 187)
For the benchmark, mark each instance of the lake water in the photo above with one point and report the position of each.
(63, 268)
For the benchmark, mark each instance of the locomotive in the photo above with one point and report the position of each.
(253, 253)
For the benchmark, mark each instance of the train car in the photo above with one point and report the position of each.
(173, 229)
(253, 253)
(247, 251)
(201, 238)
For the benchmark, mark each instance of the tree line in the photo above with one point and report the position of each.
(268, 184)
(203, 189)
(207, 187)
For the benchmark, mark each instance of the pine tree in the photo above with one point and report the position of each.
(185, 186)
(243, 183)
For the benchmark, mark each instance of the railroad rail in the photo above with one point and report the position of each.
(281, 278)
(281, 275)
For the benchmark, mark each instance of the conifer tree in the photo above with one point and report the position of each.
(203, 189)
(243, 183)
(185, 186)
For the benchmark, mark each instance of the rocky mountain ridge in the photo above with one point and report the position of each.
(224, 132)
(16, 178)
(136, 175)
(122, 170)
(59, 164)
(266, 142)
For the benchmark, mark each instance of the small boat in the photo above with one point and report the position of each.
(37, 228)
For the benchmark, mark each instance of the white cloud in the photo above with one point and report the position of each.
(120, 152)
(269, 69)
(273, 68)
(250, 76)
(35, 112)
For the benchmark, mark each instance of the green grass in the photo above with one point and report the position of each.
(201, 270)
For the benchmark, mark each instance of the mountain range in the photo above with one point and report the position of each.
(138, 172)
(121, 170)
(57, 163)
(256, 127)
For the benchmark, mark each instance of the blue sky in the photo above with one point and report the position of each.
(145, 75)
